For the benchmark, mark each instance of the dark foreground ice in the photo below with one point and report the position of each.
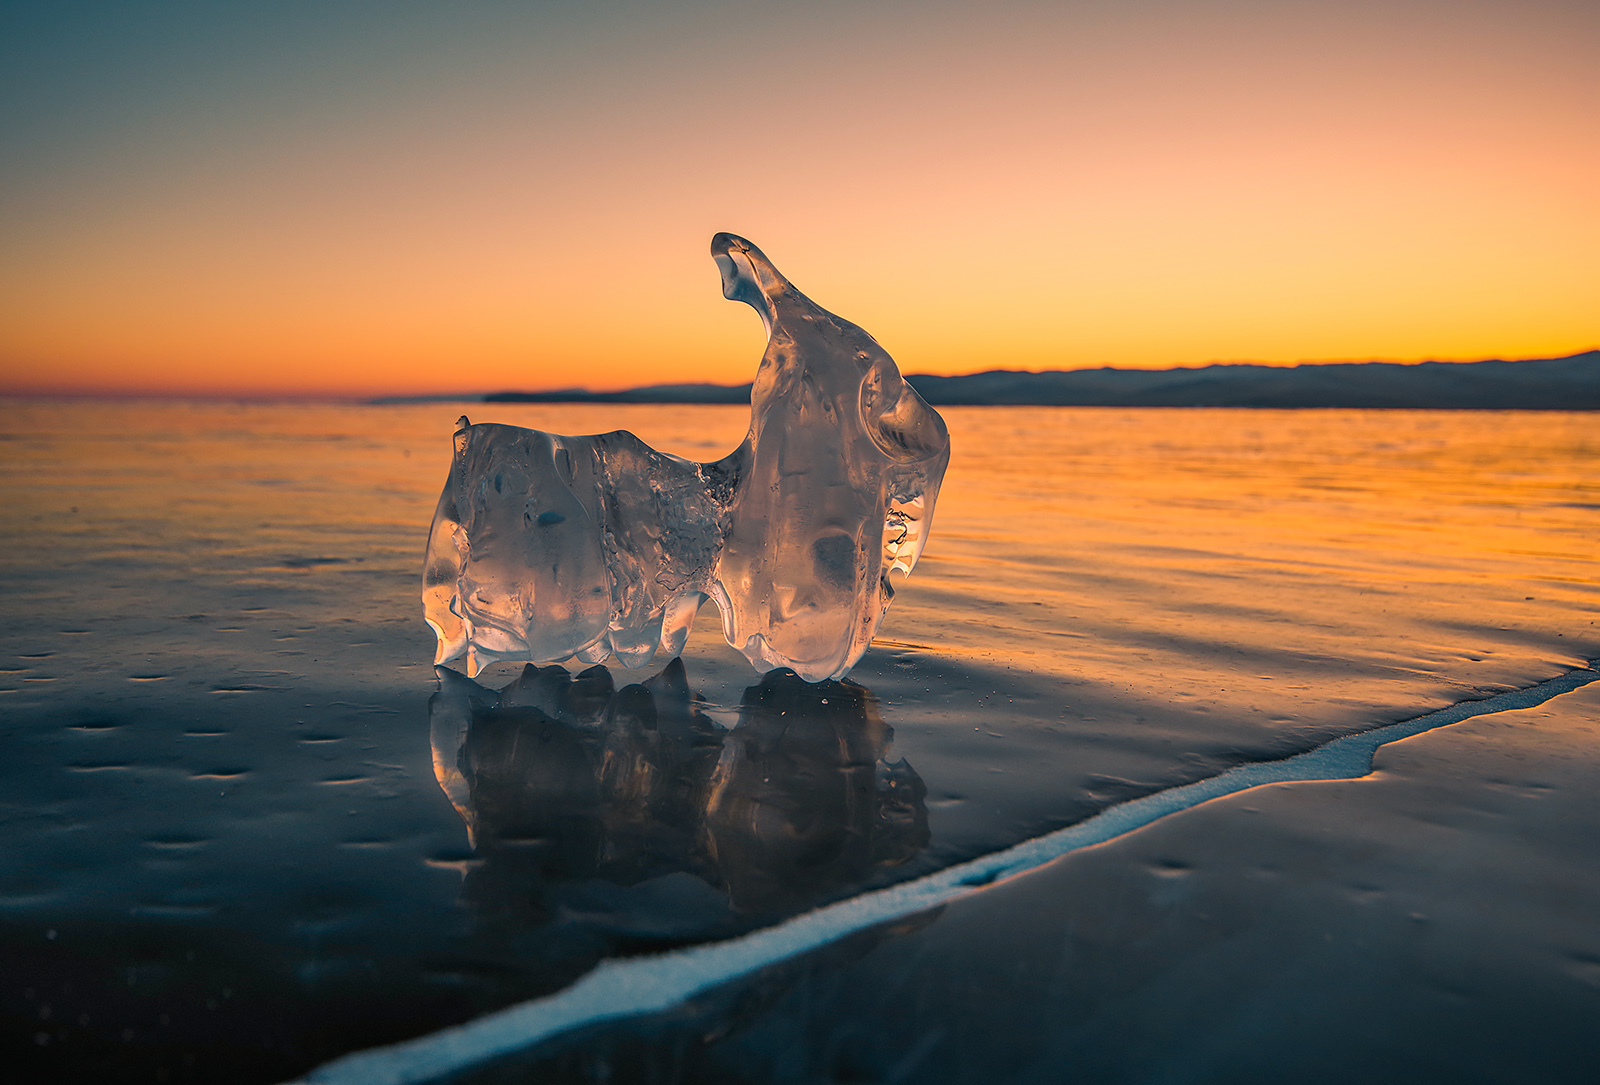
(1432, 922)
(227, 855)
(716, 1013)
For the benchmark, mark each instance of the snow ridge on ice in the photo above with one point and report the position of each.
(635, 986)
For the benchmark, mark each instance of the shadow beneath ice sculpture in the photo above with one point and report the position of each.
(632, 815)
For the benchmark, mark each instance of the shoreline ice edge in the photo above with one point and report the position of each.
(637, 986)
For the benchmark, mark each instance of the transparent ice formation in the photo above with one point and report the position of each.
(546, 547)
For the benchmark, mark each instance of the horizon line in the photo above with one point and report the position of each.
(376, 396)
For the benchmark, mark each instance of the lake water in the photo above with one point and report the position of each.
(227, 851)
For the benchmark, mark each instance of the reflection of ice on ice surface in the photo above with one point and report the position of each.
(641, 985)
(546, 547)
(579, 797)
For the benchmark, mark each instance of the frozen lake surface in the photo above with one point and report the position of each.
(228, 854)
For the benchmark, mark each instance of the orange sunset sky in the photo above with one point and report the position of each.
(395, 198)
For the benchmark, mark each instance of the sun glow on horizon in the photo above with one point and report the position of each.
(522, 200)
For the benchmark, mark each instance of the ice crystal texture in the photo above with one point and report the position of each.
(546, 547)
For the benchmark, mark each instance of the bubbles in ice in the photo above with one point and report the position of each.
(546, 547)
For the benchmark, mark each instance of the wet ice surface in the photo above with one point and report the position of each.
(220, 791)
(1431, 922)
(680, 983)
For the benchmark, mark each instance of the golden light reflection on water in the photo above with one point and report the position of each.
(216, 657)
(1294, 542)
(1110, 602)
(1115, 546)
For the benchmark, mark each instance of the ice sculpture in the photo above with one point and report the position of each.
(546, 547)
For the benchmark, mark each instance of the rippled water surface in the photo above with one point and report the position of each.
(227, 853)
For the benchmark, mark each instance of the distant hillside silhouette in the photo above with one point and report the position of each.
(654, 393)
(1571, 383)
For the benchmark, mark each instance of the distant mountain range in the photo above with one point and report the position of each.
(1570, 383)
(651, 393)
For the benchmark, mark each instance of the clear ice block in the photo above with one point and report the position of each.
(547, 547)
